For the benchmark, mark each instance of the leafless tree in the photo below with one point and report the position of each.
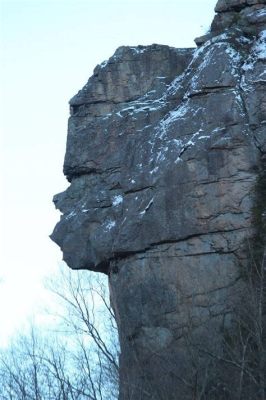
(75, 360)
(230, 363)
(87, 317)
(238, 366)
(78, 360)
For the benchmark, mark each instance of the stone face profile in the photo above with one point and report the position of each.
(165, 158)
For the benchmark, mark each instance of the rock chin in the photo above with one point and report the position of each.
(164, 150)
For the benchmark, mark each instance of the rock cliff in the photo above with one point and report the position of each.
(166, 159)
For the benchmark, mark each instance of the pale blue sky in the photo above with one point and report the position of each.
(49, 49)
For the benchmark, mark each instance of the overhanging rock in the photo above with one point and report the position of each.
(165, 150)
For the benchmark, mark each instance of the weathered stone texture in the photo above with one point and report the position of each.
(163, 153)
(237, 5)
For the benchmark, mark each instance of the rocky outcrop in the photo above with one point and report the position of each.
(247, 15)
(165, 154)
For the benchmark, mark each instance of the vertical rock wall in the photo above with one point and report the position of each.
(165, 155)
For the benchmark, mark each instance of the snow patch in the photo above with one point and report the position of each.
(154, 170)
(180, 112)
(260, 47)
(200, 50)
(233, 54)
(117, 200)
(110, 224)
(104, 63)
(143, 106)
(71, 215)
(177, 142)
(107, 116)
(258, 52)
(147, 207)
(175, 84)
(184, 146)
(138, 50)
(248, 66)
(203, 137)
(145, 127)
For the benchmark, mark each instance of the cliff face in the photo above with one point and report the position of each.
(165, 150)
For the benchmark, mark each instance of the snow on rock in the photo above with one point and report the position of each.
(258, 52)
(163, 153)
(117, 200)
(71, 215)
(260, 47)
(109, 224)
(147, 207)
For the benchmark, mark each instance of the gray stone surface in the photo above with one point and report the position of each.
(249, 16)
(228, 5)
(163, 154)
